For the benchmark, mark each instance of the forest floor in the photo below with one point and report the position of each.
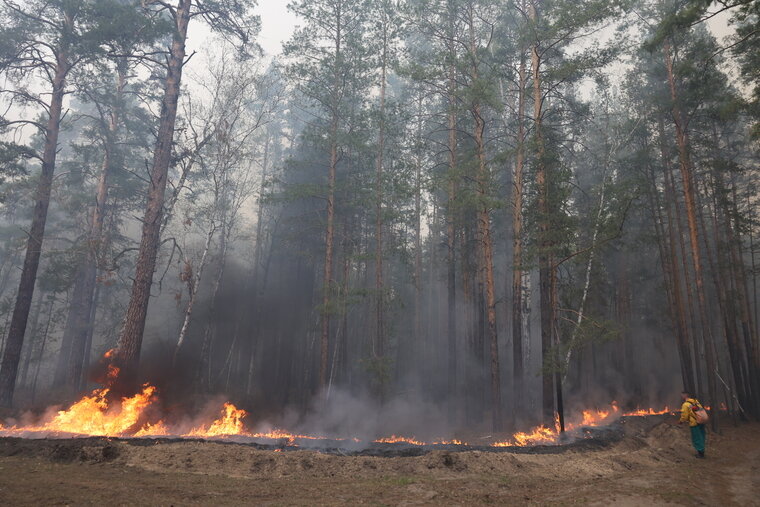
(652, 465)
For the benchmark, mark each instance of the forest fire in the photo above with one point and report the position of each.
(99, 415)
(95, 415)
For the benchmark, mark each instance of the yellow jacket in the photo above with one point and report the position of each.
(687, 415)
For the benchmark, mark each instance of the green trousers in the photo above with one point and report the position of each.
(698, 437)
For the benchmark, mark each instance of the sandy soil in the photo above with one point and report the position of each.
(650, 466)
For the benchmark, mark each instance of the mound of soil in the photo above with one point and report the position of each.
(641, 461)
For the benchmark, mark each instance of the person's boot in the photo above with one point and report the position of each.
(700, 454)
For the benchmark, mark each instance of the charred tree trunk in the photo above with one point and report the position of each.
(130, 339)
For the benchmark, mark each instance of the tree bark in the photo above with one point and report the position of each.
(32, 339)
(193, 281)
(15, 340)
(418, 234)
(451, 283)
(41, 353)
(749, 331)
(130, 339)
(545, 264)
(686, 346)
(379, 347)
(485, 240)
(517, 245)
(256, 283)
(682, 140)
(95, 238)
(204, 371)
(324, 339)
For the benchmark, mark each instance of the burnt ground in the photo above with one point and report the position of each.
(643, 461)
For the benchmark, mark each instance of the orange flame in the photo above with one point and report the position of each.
(394, 439)
(158, 429)
(93, 415)
(648, 411)
(539, 435)
(231, 423)
(595, 417)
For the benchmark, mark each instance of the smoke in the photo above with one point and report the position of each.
(344, 414)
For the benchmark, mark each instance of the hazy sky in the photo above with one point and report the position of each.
(277, 24)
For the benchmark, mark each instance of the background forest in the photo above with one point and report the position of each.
(421, 215)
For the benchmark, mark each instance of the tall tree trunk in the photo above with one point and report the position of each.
(485, 239)
(672, 198)
(379, 346)
(256, 281)
(587, 277)
(204, 371)
(32, 339)
(324, 339)
(686, 175)
(749, 331)
(82, 309)
(451, 282)
(41, 353)
(753, 266)
(15, 340)
(687, 348)
(88, 340)
(261, 290)
(73, 322)
(418, 233)
(343, 344)
(474, 391)
(545, 264)
(517, 246)
(193, 280)
(718, 264)
(130, 339)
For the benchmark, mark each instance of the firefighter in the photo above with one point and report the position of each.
(698, 436)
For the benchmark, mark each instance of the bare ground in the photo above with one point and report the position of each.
(652, 465)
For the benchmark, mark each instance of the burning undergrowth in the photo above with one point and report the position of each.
(142, 416)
